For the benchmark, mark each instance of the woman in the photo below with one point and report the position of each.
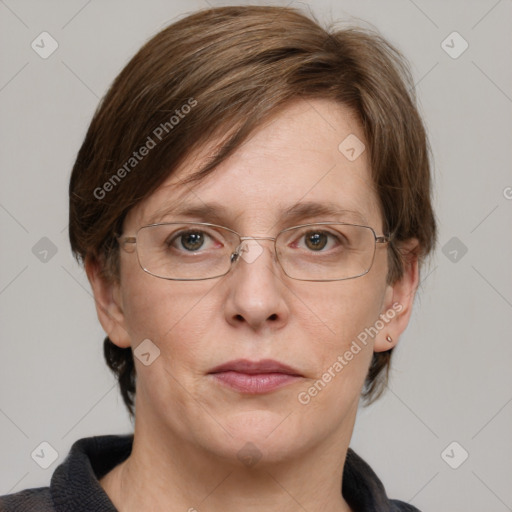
(252, 207)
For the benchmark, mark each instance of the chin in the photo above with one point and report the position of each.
(261, 436)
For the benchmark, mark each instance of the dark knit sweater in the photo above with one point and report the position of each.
(75, 484)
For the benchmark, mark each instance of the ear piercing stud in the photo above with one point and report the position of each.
(389, 339)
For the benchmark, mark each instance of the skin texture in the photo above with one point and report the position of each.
(189, 429)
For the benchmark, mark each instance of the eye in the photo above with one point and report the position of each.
(191, 240)
(318, 240)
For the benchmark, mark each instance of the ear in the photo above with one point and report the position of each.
(108, 303)
(399, 299)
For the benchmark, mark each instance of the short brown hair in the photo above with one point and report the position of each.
(235, 67)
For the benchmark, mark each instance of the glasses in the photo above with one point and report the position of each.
(193, 251)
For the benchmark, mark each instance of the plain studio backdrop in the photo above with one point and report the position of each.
(440, 436)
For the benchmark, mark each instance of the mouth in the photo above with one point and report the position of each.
(255, 377)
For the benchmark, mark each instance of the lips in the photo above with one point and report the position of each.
(255, 377)
(255, 367)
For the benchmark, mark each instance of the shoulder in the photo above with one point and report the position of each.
(401, 506)
(75, 482)
(363, 490)
(30, 499)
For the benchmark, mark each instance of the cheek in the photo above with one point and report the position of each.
(338, 343)
(164, 310)
(340, 311)
(176, 317)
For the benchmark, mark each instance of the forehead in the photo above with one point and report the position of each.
(294, 166)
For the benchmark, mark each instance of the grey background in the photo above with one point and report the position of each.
(452, 371)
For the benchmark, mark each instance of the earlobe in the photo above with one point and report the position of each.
(399, 299)
(108, 303)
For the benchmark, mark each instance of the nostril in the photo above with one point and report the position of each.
(273, 317)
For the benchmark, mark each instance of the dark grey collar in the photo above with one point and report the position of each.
(75, 483)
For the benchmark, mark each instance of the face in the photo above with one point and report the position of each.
(255, 312)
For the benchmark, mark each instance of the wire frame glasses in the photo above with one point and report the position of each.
(193, 251)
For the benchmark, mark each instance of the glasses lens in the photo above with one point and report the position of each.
(185, 251)
(324, 252)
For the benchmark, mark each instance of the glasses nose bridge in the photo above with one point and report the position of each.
(240, 247)
(243, 238)
(247, 238)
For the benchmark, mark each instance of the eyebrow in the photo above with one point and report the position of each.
(217, 213)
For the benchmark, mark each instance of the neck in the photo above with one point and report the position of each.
(166, 473)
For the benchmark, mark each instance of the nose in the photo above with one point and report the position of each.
(255, 288)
